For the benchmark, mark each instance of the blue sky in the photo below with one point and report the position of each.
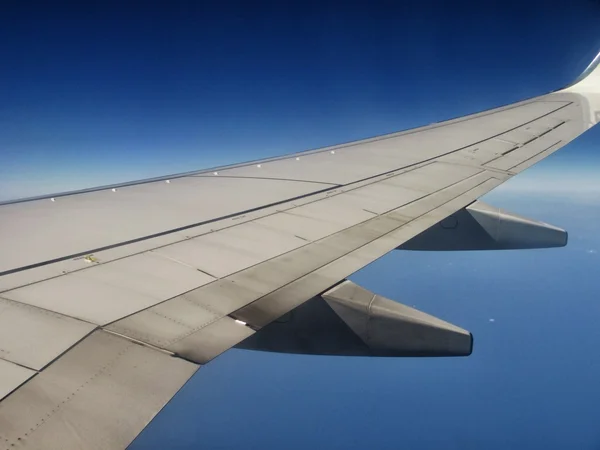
(95, 94)
(107, 93)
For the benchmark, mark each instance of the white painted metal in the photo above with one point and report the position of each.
(391, 328)
(517, 137)
(44, 272)
(480, 153)
(397, 150)
(379, 197)
(83, 298)
(210, 341)
(150, 274)
(79, 223)
(232, 249)
(522, 154)
(289, 295)
(11, 377)
(33, 337)
(184, 327)
(417, 209)
(104, 293)
(310, 228)
(165, 323)
(433, 177)
(99, 395)
(334, 211)
(171, 321)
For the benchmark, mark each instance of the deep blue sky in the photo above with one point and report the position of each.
(98, 94)
(107, 93)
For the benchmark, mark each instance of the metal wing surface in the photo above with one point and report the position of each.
(111, 298)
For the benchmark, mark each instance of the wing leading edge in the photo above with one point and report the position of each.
(124, 291)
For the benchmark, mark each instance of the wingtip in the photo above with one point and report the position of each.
(590, 77)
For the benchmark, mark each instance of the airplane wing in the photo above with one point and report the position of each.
(111, 298)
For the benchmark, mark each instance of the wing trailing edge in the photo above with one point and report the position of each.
(587, 85)
(589, 80)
